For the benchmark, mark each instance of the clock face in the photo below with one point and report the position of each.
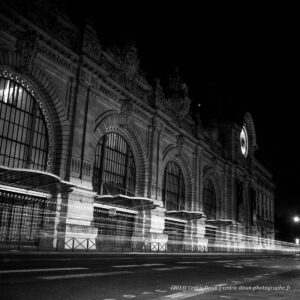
(244, 141)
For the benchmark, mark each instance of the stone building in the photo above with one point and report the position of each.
(93, 156)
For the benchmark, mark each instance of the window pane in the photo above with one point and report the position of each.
(19, 113)
(173, 187)
(114, 169)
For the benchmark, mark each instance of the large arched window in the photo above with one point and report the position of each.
(23, 131)
(173, 187)
(209, 200)
(114, 169)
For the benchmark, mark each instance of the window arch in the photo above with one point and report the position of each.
(209, 200)
(173, 187)
(23, 130)
(114, 168)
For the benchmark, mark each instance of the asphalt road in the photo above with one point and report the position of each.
(131, 276)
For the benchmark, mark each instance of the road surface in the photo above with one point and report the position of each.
(132, 276)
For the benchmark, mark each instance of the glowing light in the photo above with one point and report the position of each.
(297, 241)
(7, 94)
(296, 219)
(244, 141)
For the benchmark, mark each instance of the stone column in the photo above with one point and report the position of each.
(149, 230)
(194, 239)
(78, 231)
(200, 181)
(154, 192)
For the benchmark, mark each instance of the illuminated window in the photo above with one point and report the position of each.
(23, 131)
(209, 200)
(114, 169)
(173, 187)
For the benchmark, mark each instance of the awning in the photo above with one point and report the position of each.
(127, 201)
(185, 215)
(33, 180)
(219, 222)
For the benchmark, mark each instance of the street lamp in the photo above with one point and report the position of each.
(296, 219)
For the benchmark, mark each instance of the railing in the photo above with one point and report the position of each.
(72, 244)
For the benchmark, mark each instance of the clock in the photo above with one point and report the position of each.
(244, 141)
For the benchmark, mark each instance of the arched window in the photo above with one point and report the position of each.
(173, 187)
(114, 169)
(209, 200)
(23, 131)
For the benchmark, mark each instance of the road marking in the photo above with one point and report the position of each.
(236, 282)
(223, 261)
(181, 268)
(33, 259)
(177, 295)
(185, 295)
(146, 293)
(162, 269)
(233, 266)
(129, 296)
(246, 260)
(161, 291)
(134, 266)
(40, 270)
(153, 265)
(83, 275)
(125, 266)
(108, 258)
(191, 262)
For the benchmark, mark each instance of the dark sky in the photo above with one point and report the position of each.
(243, 58)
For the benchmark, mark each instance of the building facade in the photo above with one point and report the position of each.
(94, 157)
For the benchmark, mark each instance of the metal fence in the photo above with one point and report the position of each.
(106, 245)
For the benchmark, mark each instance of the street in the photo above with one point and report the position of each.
(148, 276)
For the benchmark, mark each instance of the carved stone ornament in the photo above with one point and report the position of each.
(177, 103)
(130, 62)
(91, 45)
(27, 48)
(127, 60)
(179, 144)
(126, 110)
(214, 162)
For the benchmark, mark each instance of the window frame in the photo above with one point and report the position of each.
(178, 180)
(114, 161)
(24, 132)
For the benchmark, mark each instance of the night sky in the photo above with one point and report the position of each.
(234, 59)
